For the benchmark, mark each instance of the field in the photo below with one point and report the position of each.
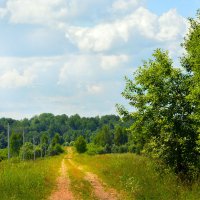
(30, 180)
(138, 177)
(80, 176)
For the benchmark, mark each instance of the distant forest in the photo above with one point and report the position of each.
(68, 127)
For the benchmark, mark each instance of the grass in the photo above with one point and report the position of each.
(32, 180)
(138, 177)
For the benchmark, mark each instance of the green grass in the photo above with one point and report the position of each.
(29, 180)
(138, 177)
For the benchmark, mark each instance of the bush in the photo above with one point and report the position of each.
(80, 145)
(27, 151)
(55, 150)
(93, 149)
(71, 143)
(3, 154)
(123, 148)
(115, 149)
(38, 151)
(120, 149)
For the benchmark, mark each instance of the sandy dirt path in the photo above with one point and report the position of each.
(63, 184)
(100, 189)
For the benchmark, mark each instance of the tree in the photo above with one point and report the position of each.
(104, 137)
(44, 143)
(55, 150)
(56, 139)
(191, 62)
(16, 141)
(3, 141)
(26, 151)
(120, 136)
(80, 145)
(162, 125)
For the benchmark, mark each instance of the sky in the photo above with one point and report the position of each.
(71, 56)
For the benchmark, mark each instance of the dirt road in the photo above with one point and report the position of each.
(62, 191)
(96, 189)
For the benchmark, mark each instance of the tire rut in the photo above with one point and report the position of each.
(63, 184)
(100, 189)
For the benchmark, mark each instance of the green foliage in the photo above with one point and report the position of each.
(80, 145)
(55, 150)
(27, 151)
(3, 154)
(104, 137)
(56, 140)
(28, 180)
(47, 127)
(162, 125)
(140, 178)
(3, 141)
(16, 142)
(93, 149)
(120, 136)
(38, 151)
(120, 149)
(44, 144)
(191, 62)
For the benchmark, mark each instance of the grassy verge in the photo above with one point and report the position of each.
(139, 177)
(32, 180)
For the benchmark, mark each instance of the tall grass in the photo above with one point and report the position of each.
(29, 180)
(139, 177)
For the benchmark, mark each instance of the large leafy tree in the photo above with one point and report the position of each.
(163, 127)
(191, 62)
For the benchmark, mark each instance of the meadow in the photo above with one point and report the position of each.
(29, 180)
(138, 177)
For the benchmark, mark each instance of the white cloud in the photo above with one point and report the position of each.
(113, 61)
(27, 71)
(95, 89)
(53, 12)
(124, 5)
(37, 11)
(140, 24)
(171, 26)
(77, 69)
(14, 79)
(80, 69)
(103, 40)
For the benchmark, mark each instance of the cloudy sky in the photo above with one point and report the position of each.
(71, 56)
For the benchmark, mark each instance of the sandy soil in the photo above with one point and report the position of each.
(100, 189)
(63, 184)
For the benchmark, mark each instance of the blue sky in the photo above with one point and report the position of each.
(71, 56)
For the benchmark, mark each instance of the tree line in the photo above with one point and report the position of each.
(43, 134)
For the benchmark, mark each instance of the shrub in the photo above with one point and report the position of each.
(27, 151)
(80, 145)
(115, 149)
(3, 154)
(38, 151)
(93, 149)
(123, 148)
(119, 149)
(55, 150)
